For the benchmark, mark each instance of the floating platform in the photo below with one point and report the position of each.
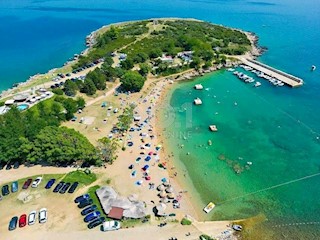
(198, 87)
(213, 128)
(197, 101)
(286, 78)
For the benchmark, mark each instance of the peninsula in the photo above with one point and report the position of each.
(99, 114)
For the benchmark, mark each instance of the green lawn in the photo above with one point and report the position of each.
(81, 177)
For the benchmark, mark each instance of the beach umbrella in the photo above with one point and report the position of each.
(166, 184)
(145, 167)
(148, 178)
(157, 157)
(161, 187)
(164, 200)
(139, 182)
(162, 194)
(169, 189)
(150, 153)
(161, 207)
(148, 158)
(171, 195)
(138, 159)
(131, 166)
(164, 180)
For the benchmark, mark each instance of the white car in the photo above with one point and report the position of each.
(110, 226)
(32, 217)
(42, 215)
(36, 182)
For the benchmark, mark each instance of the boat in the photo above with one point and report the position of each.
(257, 84)
(209, 207)
(209, 142)
(198, 87)
(230, 69)
(213, 128)
(197, 101)
(237, 227)
(313, 67)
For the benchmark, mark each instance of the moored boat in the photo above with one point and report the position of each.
(209, 207)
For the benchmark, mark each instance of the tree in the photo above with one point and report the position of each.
(71, 107)
(60, 145)
(144, 69)
(125, 119)
(70, 88)
(132, 81)
(98, 78)
(88, 87)
(140, 57)
(81, 102)
(12, 127)
(155, 53)
(107, 149)
(195, 63)
(127, 64)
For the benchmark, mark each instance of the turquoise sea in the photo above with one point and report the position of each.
(276, 129)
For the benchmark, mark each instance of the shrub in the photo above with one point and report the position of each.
(58, 91)
(185, 221)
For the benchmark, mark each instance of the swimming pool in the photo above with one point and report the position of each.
(22, 107)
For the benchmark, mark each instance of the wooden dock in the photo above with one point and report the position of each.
(286, 78)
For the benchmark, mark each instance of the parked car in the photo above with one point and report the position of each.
(110, 226)
(85, 203)
(73, 187)
(50, 183)
(96, 222)
(36, 182)
(32, 217)
(16, 165)
(92, 216)
(42, 215)
(27, 183)
(9, 166)
(5, 190)
(13, 223)
(64, 188)
(23, 220)
(58, 187)
(82, 197)
(88, 210)
(14, 186)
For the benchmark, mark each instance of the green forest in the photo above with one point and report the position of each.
(34, 136)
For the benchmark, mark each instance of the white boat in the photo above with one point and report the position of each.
(230, 69)
(257, 84)
(209, 207)
(198, 87)
(197, 101)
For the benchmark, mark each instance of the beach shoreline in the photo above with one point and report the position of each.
(191, 198)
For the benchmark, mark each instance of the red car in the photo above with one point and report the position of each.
(22, 220)
(27, 183)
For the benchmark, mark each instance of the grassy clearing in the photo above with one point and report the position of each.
(81, 177)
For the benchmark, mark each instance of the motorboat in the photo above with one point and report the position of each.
(257, 84)
(209, 207)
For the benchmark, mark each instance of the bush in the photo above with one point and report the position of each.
(205, 237)
(58, 91)
(185, 221)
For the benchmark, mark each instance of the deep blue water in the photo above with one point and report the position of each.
(39, 35)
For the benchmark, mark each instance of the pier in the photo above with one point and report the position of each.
(286, 78)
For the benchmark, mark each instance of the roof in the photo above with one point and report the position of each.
(109, 199)
(116, 213)
(9, 102)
